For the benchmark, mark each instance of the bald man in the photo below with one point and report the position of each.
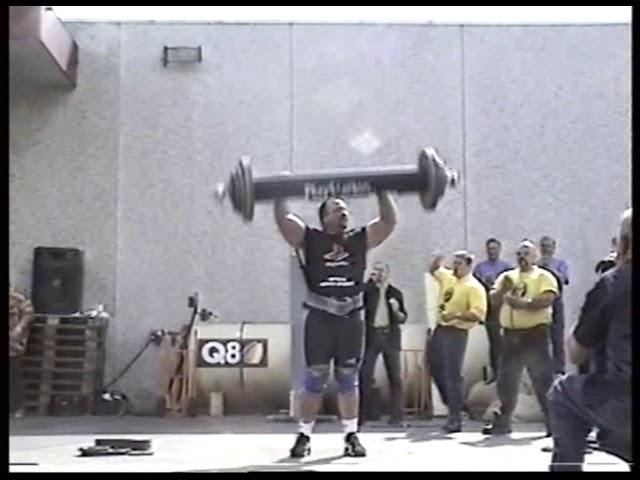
(525, 296)
(602, 397)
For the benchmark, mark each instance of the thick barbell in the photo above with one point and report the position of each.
(429, 179)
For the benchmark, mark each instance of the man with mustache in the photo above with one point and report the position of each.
(525, 296)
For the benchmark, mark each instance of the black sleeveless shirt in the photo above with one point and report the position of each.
(335, 265)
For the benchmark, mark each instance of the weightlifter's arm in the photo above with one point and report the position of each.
(379, 229)
(291, 226)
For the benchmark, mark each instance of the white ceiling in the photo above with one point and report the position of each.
(375, 14)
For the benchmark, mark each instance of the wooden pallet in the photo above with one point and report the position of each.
(42, 375)
(47, 381)
(53, 350)
(63, 347)
(42, 404)
(64, 363)
(39, 342)
(61, 387)
(39, 395)
(69, 336)
(65, 356)
(67, 320)
(37, 404)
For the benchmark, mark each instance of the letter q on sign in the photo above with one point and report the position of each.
(213, 353)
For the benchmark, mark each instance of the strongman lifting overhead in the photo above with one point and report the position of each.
(334, 266)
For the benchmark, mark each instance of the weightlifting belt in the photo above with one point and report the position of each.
(341, 307)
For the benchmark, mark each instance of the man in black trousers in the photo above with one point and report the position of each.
(600, 398)
(384, 313)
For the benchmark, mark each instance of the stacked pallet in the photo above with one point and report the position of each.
(64, 363)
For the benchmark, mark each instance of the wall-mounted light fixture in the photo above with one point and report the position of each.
(182, 55)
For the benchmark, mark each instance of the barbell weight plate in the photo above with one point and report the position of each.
(427, 168)
(234, 190)
(242, 204)
(240, 189)
(440, 183)
(247, 189)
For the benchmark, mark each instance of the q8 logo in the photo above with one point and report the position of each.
(232, 353)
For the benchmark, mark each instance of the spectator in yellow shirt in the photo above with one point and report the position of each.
(525, 297)
(462, 304)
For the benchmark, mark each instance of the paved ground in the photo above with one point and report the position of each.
(245, 443)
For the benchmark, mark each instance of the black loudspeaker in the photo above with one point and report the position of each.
(58, 275)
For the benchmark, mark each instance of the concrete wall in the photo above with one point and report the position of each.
(398, 87)
(536, 119)
(547, 122)
(183, 128)
(63, 168)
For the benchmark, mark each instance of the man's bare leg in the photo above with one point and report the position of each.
(348, 403)
(309, 407)
(309, 402)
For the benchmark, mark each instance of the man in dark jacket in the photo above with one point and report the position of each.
(384, 313)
